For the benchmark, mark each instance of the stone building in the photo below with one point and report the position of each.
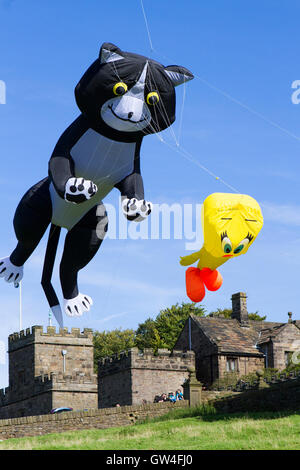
(237, 344)
(135, 377)
(49, 370)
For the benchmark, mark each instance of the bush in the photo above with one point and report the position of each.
(228, 381)
(231, 380)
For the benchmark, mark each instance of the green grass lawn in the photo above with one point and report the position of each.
(255, 431)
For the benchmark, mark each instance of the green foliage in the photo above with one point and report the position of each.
(147, 335)
(228, 380)
(232, 380)
(291, 368)
(256, 317)
(107, 343)
(270, 372)
(154, 334)
(161, 332)
(224, 313)
(165, 329)
(227, 312)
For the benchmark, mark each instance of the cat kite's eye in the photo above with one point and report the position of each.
(152, 98)
(120, 88)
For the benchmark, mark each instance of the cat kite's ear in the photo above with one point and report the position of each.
(109, 53)
(178, 75)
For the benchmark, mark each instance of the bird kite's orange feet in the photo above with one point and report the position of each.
(212, 279)
(194, 285)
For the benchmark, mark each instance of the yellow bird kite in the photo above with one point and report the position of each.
(230, 224)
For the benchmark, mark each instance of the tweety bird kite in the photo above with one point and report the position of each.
(230, 224)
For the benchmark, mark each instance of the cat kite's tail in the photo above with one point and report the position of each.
(48, 271)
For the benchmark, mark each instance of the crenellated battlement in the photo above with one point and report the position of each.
(75, 378)
(49, 383)
(135, 376)
(49, 368)
(146, 359)
(36, 335)
(37, 330)
(116, 358)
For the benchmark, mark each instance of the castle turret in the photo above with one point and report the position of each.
(49, 370)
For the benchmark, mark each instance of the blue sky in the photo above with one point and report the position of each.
(238, 121)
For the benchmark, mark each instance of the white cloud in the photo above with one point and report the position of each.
(123, 284)
(111, 317)
(286, 214)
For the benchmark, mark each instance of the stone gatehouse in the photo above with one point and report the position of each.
(136, 377)
(54, 369)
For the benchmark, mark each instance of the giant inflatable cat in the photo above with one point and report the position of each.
(122, 97)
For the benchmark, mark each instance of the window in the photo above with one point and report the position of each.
(287, 358)
(231, 364)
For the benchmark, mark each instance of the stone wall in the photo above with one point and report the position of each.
(47, 392)
(134, 377)
(282, 396)
(75, 421)
(39, 380)
(245, 364)
(205, 352)
(288, 340)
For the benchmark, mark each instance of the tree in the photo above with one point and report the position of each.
(147, 335)
(256, 317)
(227, 312)
(223, 313)
(165, 329)
(107, 343)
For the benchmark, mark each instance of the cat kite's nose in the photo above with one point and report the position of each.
(130, 115)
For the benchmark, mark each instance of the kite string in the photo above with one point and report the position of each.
(165, 117)
(226, 95)
(236, 101)
(181, 113)
(179, 149)
(147, 26)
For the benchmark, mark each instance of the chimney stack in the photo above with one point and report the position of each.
(239, 308)
(290, 317)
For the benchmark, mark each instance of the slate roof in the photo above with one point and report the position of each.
(231, 337)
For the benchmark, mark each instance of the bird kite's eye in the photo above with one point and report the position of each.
(241, 246)
(152, 98)
(226, 245)
(120, 88)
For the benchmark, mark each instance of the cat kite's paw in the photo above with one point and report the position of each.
(77, 306)
(10, 272)
(79, 190)
(135, 209)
